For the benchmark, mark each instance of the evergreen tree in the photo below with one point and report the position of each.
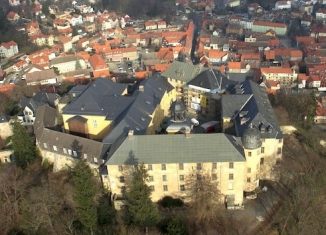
(23, 146)
(105, 212)
(176, 226)
(85, 190)
(140, 209)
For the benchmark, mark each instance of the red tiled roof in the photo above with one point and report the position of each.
(275, 70)
(8, 44)
(216, 54)
(234, 65)
(97, 62)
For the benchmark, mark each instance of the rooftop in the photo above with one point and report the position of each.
(177, 149)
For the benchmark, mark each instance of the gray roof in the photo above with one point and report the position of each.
(231, 104)
(212, 80)
(40, 75)
(46, 131)
(64, 59)
(182, 71)
(102, 97)
(138, 115)
(77, 90)
(157, 149)
(38, 100)
(257, 111)
(3, 118)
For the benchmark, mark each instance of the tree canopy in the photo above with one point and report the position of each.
(85, 191)
(141, 210)
(23, 145)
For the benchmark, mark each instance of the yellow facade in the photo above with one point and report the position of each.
(232, 178)
(97, 126)
(174, 180)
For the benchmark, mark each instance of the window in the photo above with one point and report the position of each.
(74, 153)
(230, 186)
(262, 161)
(69, 151)
(214, 176)
(262, 150)
(123, 189)
(214, 165)
(120, 168)
(163, 167)
(248, 170)
(182, 188)
(94, 123)
(122, 179)
(249, 154)
(150, 178)
(152, 188)
(279, 150)
(180, 166)
(231, 165)
(165, 188)
(248, 180)
(199, 166)
(198, 177)
(150, 167)
(95, 159)
(45, 145)
(181, 177)
(164, 178)
(55, 148)
(85, 156)
(231, 176)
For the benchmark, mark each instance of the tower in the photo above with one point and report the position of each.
(252, 142)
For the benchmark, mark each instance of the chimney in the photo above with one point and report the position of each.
(130, 133)
(187, 135)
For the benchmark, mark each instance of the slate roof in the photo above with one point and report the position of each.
(212, 80)
(102, 97)
(3, 118)
(138, 115)
(177, 149)
(46, 132)
(256, 110)
(182, 71)
(77, 90)
(39, 99)
(231, 104)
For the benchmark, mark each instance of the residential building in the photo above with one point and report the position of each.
(13, 16)
(14, 3)
(68, 63)
(281, 5)
(8, 49)
(264, 26)
(100, 68)
(43, 77)
(33, 28)
(321, 14)
(285, 76)
(29, 106)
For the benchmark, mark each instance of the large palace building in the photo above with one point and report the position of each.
(113, 126)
